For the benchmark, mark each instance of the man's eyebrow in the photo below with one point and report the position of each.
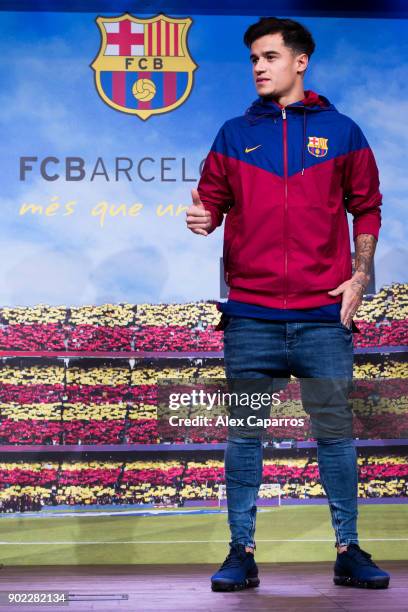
(265, 53)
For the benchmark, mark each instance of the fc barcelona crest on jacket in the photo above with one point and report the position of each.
(144, 66)
(317, 146)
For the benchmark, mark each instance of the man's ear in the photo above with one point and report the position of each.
(303, 62)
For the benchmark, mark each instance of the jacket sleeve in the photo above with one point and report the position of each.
(213, 187)
(361, 186)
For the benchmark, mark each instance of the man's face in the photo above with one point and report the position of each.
(275, 67)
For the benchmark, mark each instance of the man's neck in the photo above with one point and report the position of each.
(290, 98)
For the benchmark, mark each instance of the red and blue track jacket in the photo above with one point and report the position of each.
(286, 178)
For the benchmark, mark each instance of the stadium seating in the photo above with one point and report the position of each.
(382, 320)
(33, 485)
(114, 401)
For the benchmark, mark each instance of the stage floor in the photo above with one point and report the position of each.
(284, 586)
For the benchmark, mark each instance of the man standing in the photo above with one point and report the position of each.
(285, 174)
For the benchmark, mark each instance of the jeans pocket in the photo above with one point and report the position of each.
(348, 329)
(223, 322)
(235, 323)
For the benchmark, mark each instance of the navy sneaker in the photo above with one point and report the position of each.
(354, 567)
(239, 571)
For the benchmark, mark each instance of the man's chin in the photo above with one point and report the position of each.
(265, 91)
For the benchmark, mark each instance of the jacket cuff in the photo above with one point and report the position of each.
(366, 224)
(215, 216)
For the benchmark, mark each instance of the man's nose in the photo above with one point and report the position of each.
(260, 67)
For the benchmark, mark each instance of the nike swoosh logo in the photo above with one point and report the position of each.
(248, 150)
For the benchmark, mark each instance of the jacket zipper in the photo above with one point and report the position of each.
(285, 172)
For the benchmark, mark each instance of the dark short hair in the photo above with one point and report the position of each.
(294, 34)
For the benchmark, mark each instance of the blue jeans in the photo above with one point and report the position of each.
(259, 349)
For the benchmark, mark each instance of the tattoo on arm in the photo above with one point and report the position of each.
(365, 248)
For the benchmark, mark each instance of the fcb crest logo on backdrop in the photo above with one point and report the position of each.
(317, 146)
(144, 66)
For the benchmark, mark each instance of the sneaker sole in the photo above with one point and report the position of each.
(377, 583)
(249, 583)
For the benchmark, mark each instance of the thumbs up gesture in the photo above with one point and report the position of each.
(198, 218)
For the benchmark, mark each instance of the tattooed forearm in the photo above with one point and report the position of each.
(353, 289)
(365, 248)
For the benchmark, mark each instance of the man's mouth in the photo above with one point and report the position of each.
(261, 80)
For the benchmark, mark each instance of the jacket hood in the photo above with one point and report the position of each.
(312, 102)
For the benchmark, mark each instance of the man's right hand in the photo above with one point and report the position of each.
(198, 218)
